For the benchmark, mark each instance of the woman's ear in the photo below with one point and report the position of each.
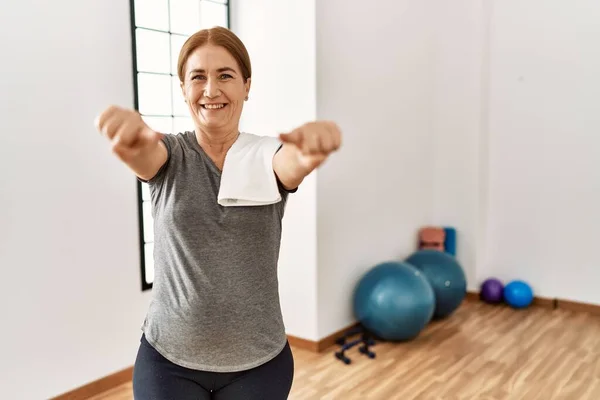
(183, 91)
(247, 86)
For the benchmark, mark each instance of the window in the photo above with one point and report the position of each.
(159, 28)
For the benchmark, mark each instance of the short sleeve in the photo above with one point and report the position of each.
(170, 141)
(282, 189)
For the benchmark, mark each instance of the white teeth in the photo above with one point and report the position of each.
(213, 106)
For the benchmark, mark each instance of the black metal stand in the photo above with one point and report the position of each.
(366, 339)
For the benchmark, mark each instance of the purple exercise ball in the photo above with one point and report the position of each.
(492, 291)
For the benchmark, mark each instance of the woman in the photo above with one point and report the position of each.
(214, 328)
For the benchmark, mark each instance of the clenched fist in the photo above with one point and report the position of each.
(127, 132)
(314, 142)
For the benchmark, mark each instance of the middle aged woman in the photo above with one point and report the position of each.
(214, 328)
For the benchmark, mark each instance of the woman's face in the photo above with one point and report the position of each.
(214, 89)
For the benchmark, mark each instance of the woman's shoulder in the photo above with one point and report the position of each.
(178, 140)
(178, 136)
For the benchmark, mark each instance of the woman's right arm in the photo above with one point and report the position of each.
(138, 146)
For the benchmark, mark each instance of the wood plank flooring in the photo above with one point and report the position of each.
(481, 352)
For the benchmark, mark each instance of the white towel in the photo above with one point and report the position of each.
(248, 178)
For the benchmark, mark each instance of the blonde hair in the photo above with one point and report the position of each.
(217, 36)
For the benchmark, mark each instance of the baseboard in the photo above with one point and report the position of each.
(99, 386)
(576, 306)
(329, 341)
(543, 302)
(322, 344)
(472, 296)
(303, 343)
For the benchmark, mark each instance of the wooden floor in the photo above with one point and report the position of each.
(481, 352)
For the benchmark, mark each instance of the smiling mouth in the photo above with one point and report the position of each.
(213, 106)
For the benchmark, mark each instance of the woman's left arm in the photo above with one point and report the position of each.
(303, 150)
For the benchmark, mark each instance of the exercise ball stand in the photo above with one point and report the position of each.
(366, 339)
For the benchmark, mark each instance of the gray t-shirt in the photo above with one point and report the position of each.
(215, 304)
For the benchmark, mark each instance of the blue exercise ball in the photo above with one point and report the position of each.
(518, 294)
(394, 301)
(446, 277)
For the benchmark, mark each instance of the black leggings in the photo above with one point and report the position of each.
(156, 378)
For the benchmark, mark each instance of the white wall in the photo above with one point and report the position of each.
(374, 67)
(70, 302)
(280, 37)
(544, 129)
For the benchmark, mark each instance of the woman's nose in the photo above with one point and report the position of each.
(211, 90)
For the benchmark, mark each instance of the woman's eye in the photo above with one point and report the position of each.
(226, 76)
(196, 77)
